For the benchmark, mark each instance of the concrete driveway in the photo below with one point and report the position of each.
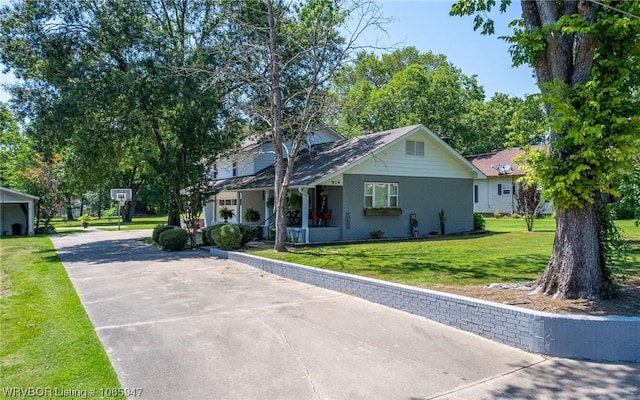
(188, 326)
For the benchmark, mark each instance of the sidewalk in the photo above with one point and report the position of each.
(188, 326)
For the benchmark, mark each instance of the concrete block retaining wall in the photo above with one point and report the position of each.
(614, 339)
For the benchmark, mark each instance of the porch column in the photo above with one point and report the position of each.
(30, 219)
(208, 211)
(238, 207)
(267, 213)
(305, 213)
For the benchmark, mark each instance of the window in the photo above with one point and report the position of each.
(380, 195)
(415, 148)
(504, 189)
(235, 169)
(475, 194)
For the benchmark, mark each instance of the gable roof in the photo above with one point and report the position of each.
(488, 163)
(324, 161)
(14, 194)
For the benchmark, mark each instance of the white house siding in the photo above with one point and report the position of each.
(488, 199)
(395, 162)
(264, 157)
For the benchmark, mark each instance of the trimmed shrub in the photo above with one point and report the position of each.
(210, 232)
(227, 237)
(158, 230)
(206, 236)
(478, 221)
(173, 239)
(249, 233)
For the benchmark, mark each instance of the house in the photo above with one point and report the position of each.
(350, 188)
(498, 192)
(16, 213)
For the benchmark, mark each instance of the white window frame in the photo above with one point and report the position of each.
(414, 148)
(392, 198)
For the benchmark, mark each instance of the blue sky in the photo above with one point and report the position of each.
(426, 24)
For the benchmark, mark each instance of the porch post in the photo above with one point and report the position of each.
(267, 213)
(30, 219)
(238, 200)
(305, 213)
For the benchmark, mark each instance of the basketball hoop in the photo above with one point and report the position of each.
(122, 201)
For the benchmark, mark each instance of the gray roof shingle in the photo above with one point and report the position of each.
(319, 161)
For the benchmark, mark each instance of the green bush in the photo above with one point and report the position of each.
(227, 237)
(158, 230)
(173, 239)
(478, 221)
(211, 231)
(249, 233)
(206, 235)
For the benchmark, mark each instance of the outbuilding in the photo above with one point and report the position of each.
(17, 213)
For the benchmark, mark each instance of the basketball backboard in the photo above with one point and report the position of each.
(119, 194)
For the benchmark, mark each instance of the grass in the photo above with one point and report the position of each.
(110, 224)
(46, 338)
(508, 254)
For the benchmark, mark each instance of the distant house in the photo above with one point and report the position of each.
(498, 192)
(17, 213)
(353, 187)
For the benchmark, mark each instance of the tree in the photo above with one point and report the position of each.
(288, 53)
(585, 56)
(15, 153)
(106, 81)
(407, 87)
(527, 200)
(43, 180)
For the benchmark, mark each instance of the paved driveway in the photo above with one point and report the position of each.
(188, 326)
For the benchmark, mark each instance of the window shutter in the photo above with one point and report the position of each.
(499, 189)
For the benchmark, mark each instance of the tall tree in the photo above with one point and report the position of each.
(405, 87)
(586, 59)
(107, 81)
(290, 52)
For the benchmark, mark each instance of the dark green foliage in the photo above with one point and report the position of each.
(478, 221)
(206, 238)
(249, 233)
(614, 251)
(251, 215)
(227, 237)
(211, 231)
(442, 219)
(173, 239)
(158, 230)
(41, 230)
(376, 234)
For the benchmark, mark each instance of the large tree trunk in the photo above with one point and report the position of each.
(575, 268)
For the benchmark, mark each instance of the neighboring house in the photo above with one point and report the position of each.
(498, 192)
(377, 181)
(17, 213)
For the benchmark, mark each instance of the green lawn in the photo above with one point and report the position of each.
(139, 222)
(46, 338)
(508, 254)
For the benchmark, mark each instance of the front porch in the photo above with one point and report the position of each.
(313, 216)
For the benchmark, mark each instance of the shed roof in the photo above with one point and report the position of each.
(11, 196)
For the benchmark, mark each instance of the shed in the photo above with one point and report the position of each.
(17, 213)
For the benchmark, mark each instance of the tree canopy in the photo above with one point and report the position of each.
(407, 87)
